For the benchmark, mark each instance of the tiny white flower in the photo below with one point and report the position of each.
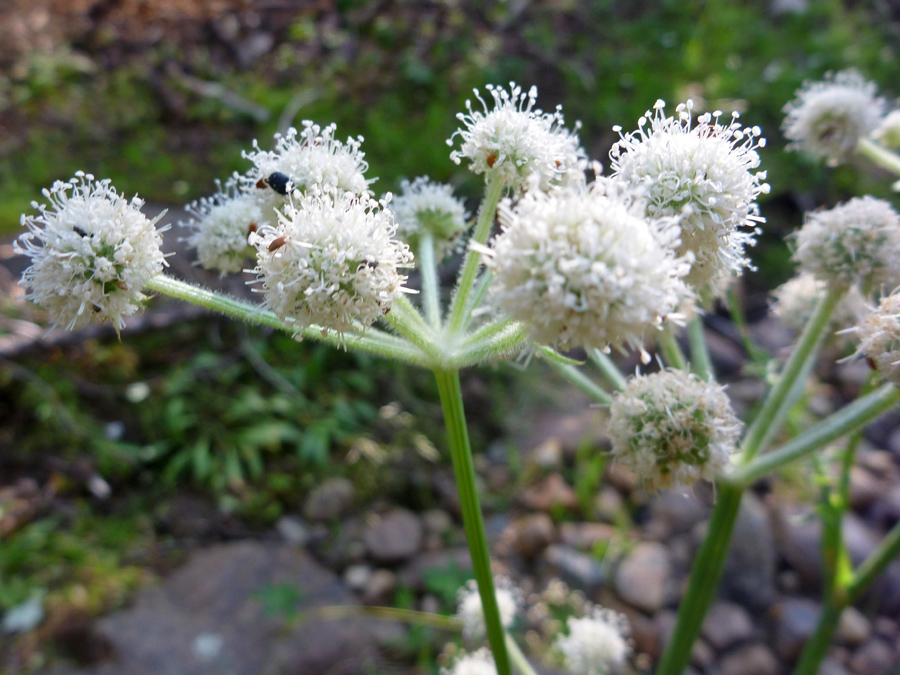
(92, 252)
(596, 644)
(469, 609)
(878, 335)
(476, 663)
(515, 141)
(332, 261)
(796, 299)
(703, 170)
(221, 225)
(583, 266)
(856, 243)
(673, 428)
(828, 118)
(430, 207)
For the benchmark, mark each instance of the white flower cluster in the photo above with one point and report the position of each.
(672, 428)
(426, 206)
(704, 171)
(796, 299)
(582, 265)
(856, 243)
(470, 612)
(476, 663)
(221, 225)
(596, 644)
(879, 338)
(92, 252)
(332, 261)
(828, 118)
(516, 143)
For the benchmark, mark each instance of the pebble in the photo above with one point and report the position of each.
(293, 530)
(794, 624)
(380, 587)
(865, 488)
(873, 657)
(726, 624)
(578, 569)
(675, 513)
(546, 455)
(437, 521)
(395, 537)
(752, 659)
(548, 493)
(332, 499)
(830, 666)
(854, 628)
(531, 534)
(609, 505)
(583, 536)
(357, 577)
(621, 477)
(643, 577)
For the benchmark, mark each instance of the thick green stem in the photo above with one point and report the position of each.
(609, 369)
(492, 193)
(583, 382)
(672, 352)
(464, 470)
(431, 299)
(701, 363)
(880, 155)
(704, 581)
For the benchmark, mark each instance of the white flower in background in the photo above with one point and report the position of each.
(828, 118)
(879, 338)
(856, 243)
(584, 266)
(302, 160)
(704, 171)
(332, 261)
(796, 299)
(476, 663)
(469, 609)
(426, 206)
(888, 131)
(596, 644)
(673, 428)
(92, 252)
(515, 141)
(221, 225)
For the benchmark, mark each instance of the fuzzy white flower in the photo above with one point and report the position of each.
(302, 160)
(705, 171)
(796, 299)
(331, 261)
(221, 225)
(828, 118)
(515, 141)
(596, 644)
(672, 428)
(476, 663)
(469, 609)
(92, 252)
(583, 266)
(425, 206)
(856, 243)
(878, 335)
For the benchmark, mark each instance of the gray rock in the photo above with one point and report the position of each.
(293, 530)
(332, 499)
(854, 628)
(380, 587)
(609, 505)
(643, 577)
(726, 624)
(830, 666)
(546, 455)
(575, 568)
(437, 521)
(357, 577)
(753, 659)
(395, 537)
(584, 536)
(530, 535)
(676, 513)
(795, 622)
(873, 657)
(450, 560)
(749, 577)
(549, 493)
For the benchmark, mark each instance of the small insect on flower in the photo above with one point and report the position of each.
(277, 181)
(79, 231)
(277, 243)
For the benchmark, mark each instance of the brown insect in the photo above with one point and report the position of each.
(253, 227)
(492, 159)
(277, 243)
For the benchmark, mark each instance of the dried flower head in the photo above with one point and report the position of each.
(673, 428)
(221, 225)
(879, 338)
(583, 266)
(331, 261)
(470, 612)
(856, 243)
(828, 118)
(596, 644)
(704, 171)
(796, 299)
(425, 206)
(476, 663)
(92, 252)
(515, 141)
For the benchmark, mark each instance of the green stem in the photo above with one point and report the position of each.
(609, 369)
(492, 193)
(409, 616)
(464, 470)
(495, 341)
(404, 319)
(518, 658)
(875, 564)
(880, 155)
(704, 580)
(372, 341)
(846, 420)
(431, 301)
(583, 382)
(701, 363)
(767, 422)
(817, 646)
(481, 288)
(671, 351)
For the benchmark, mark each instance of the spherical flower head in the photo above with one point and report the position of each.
(302, 160)
(92, 252)
(471, 614)
(476, 663)
(221, 225)
(828, 118)
(796, 299)
(332, 261)
(514, 141)
(596, 644)
(672, 429)
(426, 206)
(582, 265)
(878, 335)
(856, 243)
(705, 171)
